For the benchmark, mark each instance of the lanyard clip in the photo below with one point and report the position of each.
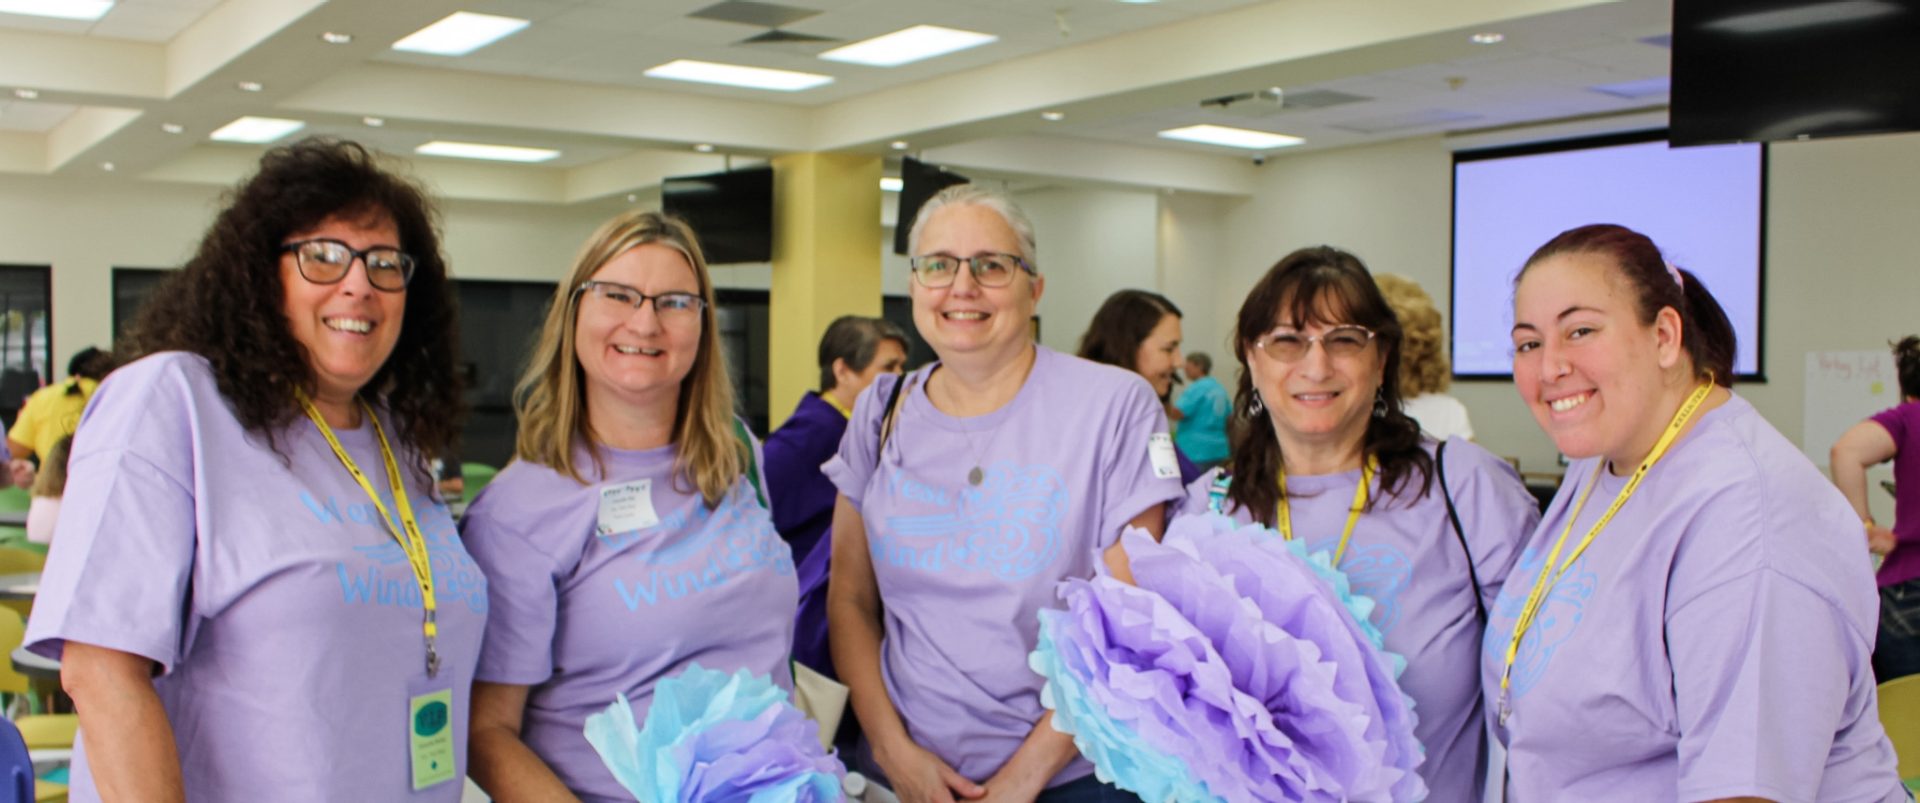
(1506, 707)
(433, 660)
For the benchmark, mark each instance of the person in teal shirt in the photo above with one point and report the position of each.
(1202, 413)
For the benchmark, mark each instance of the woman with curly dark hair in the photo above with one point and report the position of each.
(1325, 454)
(255, 581)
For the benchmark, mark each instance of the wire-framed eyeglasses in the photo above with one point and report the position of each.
(673, 305)
(326, 261)
(1287, 345)
(935, 271)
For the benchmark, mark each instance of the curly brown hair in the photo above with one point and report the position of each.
(227, 304)
(1423, 356)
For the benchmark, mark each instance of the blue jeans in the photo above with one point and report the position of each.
(1896, 650)
(1087, 790)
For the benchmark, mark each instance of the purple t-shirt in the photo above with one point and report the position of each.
(581, 615)
(1710, 643)
(1405, 555)
(282, 613)
(1903, 563)
(964, 571)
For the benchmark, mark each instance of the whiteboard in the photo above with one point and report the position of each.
(1843, 389)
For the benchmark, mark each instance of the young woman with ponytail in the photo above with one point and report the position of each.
(1690, 622)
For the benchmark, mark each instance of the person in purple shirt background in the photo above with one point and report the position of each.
(1704, 635)
(1140, 331)
(1328, 456)
(1892, 434)
(1004, 468)
(627, 539)
(853, 352)
(236, 616)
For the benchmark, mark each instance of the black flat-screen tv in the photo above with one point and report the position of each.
(918, 182)
(1767, 70)
(731, 212)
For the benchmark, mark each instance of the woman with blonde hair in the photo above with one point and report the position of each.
(629, 537)
(1425, 373)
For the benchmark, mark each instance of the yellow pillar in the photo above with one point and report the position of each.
(826, 262)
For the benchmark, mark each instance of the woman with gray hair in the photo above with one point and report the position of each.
(853, 352)
(968, 490)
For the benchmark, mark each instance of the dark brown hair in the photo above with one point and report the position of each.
(1705, 333)
(1327, 286)
(1123, 322)
(1906, 359)
(855, 340)
(228, 304)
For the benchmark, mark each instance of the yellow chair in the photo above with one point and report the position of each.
(1900, 716)
(20, 561)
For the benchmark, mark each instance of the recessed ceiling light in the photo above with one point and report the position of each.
(333, 38)
(256, 129)
(889, 184)
(107, 166)
(707, 72)
(1488, 38)
(59, 9)
(899, 145)
(26, 94)
(703, 148)
(173, 128)
(633, 198)
(462, 32)
(250, 86)
(1053, 117)
(374, 122)
(908, 45)
(1231, 137)
(497, 153)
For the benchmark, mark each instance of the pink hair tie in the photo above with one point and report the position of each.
(1675, 273)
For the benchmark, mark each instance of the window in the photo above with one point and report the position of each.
(26, 353)
(131, 286)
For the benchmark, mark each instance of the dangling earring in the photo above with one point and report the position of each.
(1380, 403)
(1256, 407)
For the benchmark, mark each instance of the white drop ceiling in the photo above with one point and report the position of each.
(573, 81)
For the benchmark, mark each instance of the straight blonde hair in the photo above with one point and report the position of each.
(551, 396)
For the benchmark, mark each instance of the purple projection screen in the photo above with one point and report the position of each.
(1704, 207)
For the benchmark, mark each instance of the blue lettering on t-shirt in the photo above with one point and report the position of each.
(1378, 571)
(381, 575)
(733, 540)
(1560, 613)
(1009, 525)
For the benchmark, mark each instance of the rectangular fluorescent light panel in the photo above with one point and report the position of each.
(462, 32)
(257, 129)
(1231, 137)
(908, 45)
(707, 72)
(58, 9)
(889, 184)
(497, 153)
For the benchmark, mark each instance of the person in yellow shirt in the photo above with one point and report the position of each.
(53, 412)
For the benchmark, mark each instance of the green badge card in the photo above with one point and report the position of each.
(430, 734)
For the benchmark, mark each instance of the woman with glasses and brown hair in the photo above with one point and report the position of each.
(1426, 529)
(629, 537)
(968, 490)
(256, 591)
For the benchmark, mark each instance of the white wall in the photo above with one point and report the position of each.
(1091, 243)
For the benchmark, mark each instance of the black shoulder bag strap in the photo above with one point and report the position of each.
(887, 418)
(1440, 465)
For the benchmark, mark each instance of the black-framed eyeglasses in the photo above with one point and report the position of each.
(935, 271)
(1287, 345)
(673, 305)
(326, 261)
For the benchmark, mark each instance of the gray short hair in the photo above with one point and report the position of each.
(977, 195)
(1201, 359)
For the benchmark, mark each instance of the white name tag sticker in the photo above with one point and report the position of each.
(627, 507)
(1160, 453)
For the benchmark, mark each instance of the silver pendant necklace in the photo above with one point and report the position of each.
(975, 475)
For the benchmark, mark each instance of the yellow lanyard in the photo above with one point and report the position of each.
(410, 539)
(1553, 568)
(1353, 513)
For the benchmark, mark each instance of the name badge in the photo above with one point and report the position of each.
(1160, 453)
(430, 734)
(627, 507)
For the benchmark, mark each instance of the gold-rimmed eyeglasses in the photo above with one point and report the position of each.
(1287, 345)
